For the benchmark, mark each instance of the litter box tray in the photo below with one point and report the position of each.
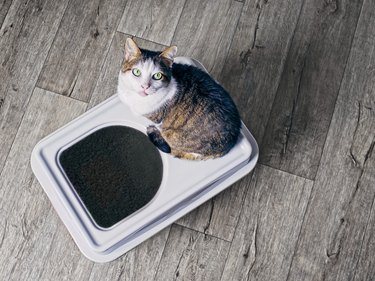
(113, 189)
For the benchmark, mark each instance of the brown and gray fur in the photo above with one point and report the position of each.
(200, 121)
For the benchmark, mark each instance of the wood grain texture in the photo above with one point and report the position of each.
(332, 236)
(79, 49)
(264, 227)
(25, 38)
(53, 255)
(205, 31)
(63, 261)
(269, 226)
(190, 255)
(141, 263)
(365, 269)
(106, 85)
(251, 76)
(219, 216)
(152, 20)
(256, 58)
(305, 100)
(24, 208)
(4, 7)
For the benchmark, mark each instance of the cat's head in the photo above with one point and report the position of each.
(145, 72)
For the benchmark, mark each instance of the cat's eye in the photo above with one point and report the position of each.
(157, 76)
(136, 72)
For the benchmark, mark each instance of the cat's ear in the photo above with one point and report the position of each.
(132, 52)
(169, 54)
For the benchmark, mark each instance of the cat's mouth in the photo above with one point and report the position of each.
(146, 92)
(143, 93)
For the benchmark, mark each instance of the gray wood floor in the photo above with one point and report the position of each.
(302, 73)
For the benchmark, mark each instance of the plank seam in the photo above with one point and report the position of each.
(49, 252)
(33, 89)
(53, 41)
(329, 127)
(339, 89)
(68, 97)
(295, 101)
(101, 68)
(363, 237)
(2, 24)
(255, 243)
(162, 254)
(238, 221)
(250, 179)
(282, 71)
(106, 55)
(232, 39)
(15, 136)
(178, 22)
(300, 230)
(287, 172)
(226, 259)
(201, 232)
(147, 40)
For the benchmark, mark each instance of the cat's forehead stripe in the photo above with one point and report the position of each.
(147, 66)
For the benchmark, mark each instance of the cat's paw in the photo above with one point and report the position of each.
(152, 129)
(157, 139)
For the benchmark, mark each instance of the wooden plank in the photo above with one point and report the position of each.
(205, 31)
(24, 207)
(269, 226)
(49, 250)
(305, 100)
(139, 264)
(151, 20)
(4, 7)
(107, 81)
(257, 62)
(366, 269)
(79, 49)
(25, 38)
(334, 228)
(190, 255)
(253, 67)
(219, 216)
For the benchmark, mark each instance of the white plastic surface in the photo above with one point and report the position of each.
(185, 185)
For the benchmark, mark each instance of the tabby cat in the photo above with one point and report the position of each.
(194, 116)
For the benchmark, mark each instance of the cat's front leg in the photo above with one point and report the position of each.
(156, 138)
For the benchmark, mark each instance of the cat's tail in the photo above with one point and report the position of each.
(157, 139)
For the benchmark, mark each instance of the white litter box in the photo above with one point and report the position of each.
(108, 144)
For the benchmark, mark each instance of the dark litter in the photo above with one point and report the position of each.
(115, 171)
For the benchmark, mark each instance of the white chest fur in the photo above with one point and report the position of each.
(144, 105)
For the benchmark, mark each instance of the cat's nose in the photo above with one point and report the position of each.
(146, 86)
